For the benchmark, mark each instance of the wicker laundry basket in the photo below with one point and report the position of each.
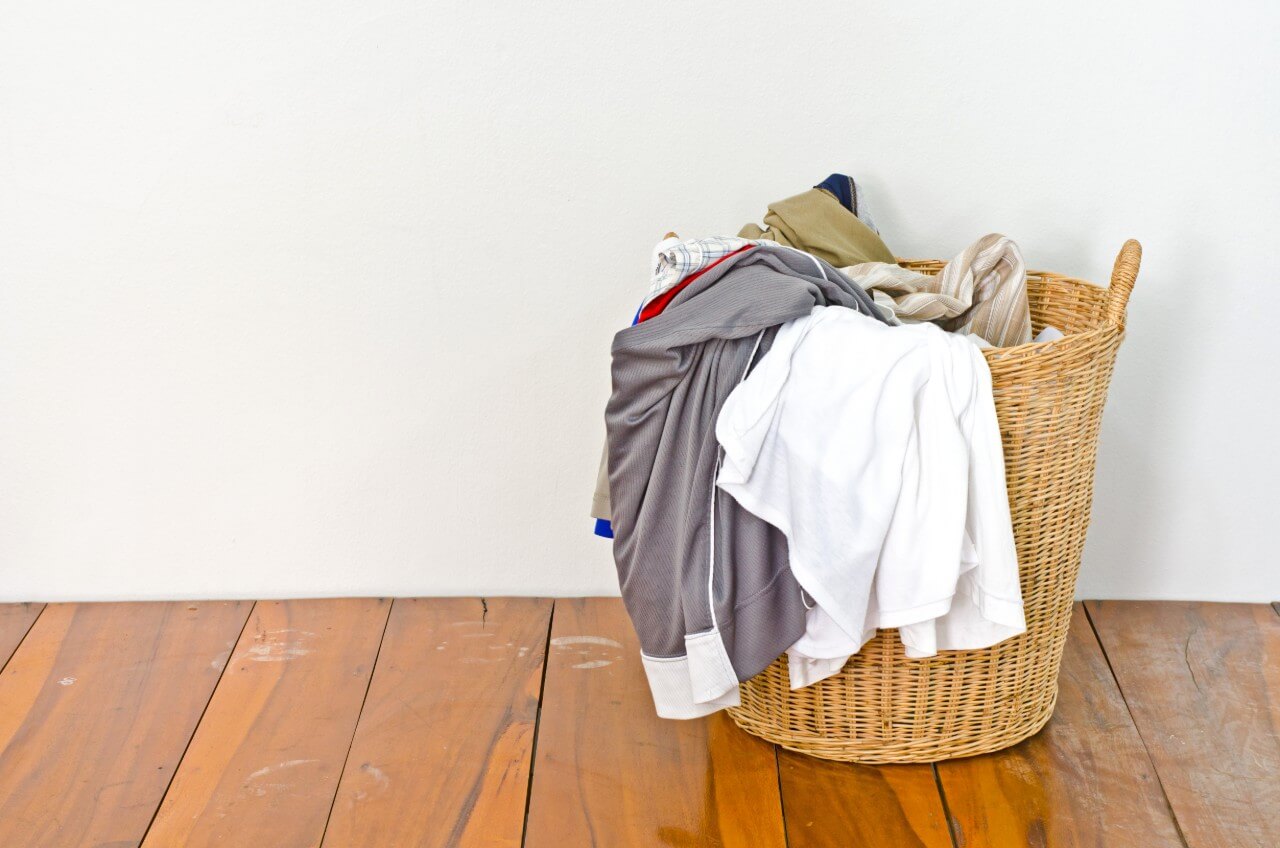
(885, 708)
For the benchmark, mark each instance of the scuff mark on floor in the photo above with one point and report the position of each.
(594, 651)
(263, 772)
(279, 645)
(380, 781)
(563, 641)
(379, 776)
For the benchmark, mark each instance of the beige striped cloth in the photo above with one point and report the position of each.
(983, 291)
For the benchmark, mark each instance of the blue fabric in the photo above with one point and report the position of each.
(842, 187)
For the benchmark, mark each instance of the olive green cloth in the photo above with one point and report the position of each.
(816, 223)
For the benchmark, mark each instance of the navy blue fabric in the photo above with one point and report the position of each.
(842, 187)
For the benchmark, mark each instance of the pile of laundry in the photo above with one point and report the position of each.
(803, 447)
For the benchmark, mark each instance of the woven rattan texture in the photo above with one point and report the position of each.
(885, 708)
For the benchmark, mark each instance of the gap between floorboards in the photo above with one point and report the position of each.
(212, 691)
(355, 726)
(1088, 615)
(25, 633)
(537, 723)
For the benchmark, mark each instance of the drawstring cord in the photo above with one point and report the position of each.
(711, 522)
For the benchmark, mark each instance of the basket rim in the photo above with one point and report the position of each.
(1068, 340)
(1115, 299)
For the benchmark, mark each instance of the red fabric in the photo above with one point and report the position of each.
(659, 303)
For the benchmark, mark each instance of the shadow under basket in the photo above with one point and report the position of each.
(885, 708)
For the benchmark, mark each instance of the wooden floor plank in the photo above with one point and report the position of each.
(609, 772)
(96, 708)
(263, 767)
(15, 621)
(1202, 681)
(443, 749)
(835, 804)
(1084, 780)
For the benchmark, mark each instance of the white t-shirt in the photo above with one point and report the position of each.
(876, 450)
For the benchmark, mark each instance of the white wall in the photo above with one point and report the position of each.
(305, 298)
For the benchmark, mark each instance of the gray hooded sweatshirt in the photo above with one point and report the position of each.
(707, 584)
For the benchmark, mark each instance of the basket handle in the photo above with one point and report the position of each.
(1122, 278)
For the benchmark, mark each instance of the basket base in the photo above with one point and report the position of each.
(880, 752)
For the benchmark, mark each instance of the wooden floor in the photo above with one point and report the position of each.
(508, 722)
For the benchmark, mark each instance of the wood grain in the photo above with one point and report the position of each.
(1202, 681)
(834, 804)
(15, 621)
(263, 767)
(96, 708)
(608, 772)
(443, 750)
(98, 702)
(1084, 780)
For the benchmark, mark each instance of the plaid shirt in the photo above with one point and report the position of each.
(673, 259)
